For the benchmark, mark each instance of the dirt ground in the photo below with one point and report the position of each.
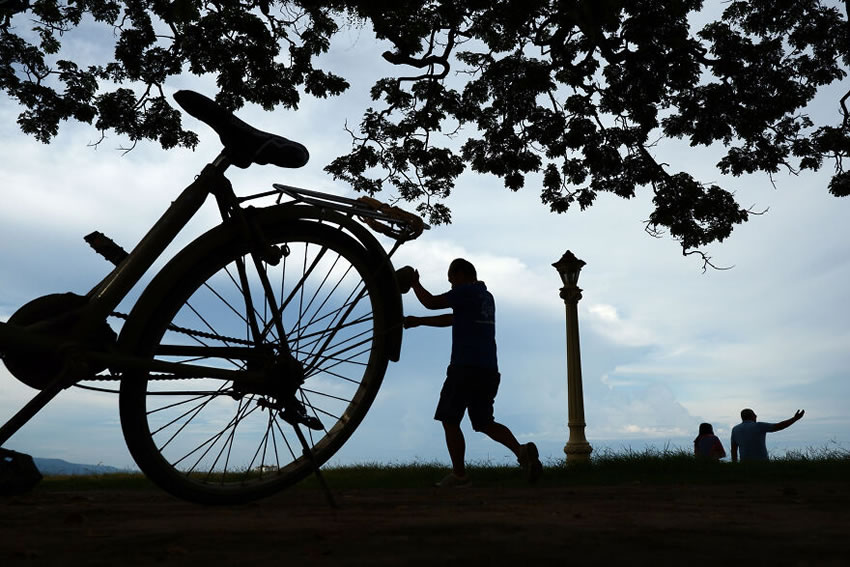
(774, 524)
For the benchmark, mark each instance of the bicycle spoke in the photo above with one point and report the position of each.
(337, 348)
(304, 400)
(210, 443)
(263, 446)
(320, 410)
(228, 444)
(325, 395)
(225, 301)
(193, 411)
(318, 335)
(285, 440)
(327, 372)
(197, 396)
(338, 361)
(243, 292)
(318, 290)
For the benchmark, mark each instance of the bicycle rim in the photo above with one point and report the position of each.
(208, 440)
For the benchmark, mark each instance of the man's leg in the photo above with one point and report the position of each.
(481, 400)
(450, 410)
(500, 433)
(527, 454)
(456, 445)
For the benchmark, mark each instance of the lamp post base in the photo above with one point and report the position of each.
(578, 452)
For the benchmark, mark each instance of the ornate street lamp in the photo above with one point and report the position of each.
(577, 448)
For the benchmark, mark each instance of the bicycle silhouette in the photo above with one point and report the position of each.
(255, 352)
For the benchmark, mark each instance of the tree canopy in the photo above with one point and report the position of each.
(575, 93)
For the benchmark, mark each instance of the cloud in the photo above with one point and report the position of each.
(513, 283)
(663, 345)
(605, 320)
(648, 412)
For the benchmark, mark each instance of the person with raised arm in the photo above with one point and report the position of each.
(750, 436)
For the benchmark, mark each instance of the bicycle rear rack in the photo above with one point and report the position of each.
(386, 219)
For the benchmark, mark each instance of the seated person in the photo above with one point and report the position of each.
(707, 445)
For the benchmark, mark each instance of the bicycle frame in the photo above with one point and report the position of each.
(190, 377)
(106, 295)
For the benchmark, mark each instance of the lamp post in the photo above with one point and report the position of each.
(577, 449)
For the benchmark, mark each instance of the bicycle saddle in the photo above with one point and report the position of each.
(243, 143)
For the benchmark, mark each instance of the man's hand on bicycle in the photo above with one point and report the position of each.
(411, 321)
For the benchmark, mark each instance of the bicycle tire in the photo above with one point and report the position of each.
(183, 433)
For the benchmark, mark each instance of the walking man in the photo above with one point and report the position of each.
(750, 435)
(472, 378)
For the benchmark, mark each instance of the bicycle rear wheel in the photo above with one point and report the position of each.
(214, 441)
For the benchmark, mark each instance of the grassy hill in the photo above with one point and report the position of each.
(648, 467)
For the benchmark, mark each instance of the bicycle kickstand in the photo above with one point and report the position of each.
(309, 454)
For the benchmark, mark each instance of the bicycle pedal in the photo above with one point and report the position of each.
(106, 247)
(294, 417)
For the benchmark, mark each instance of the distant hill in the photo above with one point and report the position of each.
(60, 467)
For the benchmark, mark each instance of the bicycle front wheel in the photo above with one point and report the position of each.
(212, 440)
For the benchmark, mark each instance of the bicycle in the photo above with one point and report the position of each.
(283, 318)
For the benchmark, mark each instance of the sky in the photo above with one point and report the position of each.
(664, 345)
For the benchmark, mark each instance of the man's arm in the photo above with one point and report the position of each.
(428, 300)
(444, 320)
(791, 420)
(734, 451)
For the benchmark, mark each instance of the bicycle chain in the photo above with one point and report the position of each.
(193, 333)
(177, 329)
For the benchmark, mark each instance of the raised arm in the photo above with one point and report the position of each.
(428, 300)
(791, 420)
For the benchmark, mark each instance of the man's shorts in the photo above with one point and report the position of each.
(468, 388)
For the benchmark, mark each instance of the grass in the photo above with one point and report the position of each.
(650, 466)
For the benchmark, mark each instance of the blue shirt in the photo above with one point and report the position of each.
(473, 326)
(750, 437)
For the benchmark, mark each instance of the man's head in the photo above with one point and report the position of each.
(748, 415)
(462, 272)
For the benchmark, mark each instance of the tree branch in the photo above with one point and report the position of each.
(428, 60)
(706, 261)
